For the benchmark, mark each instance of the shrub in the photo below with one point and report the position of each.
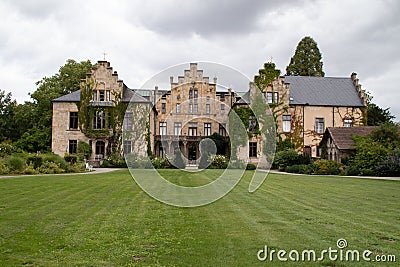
(289, 157)
(84, 149)
(114, 161)
(390, 166)
(284, 145)
(324, 166)
(293, 169)
(6, 149)
(352, 170)
(251, 166)
(35, 160)
(72, 159)
(218, 162)
(49, 167)
(15, 164)
(4, 168)
(77, 167)
(55, 159)
(161, 163)
(30, 169)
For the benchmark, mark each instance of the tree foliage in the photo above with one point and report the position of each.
(7, 109)
(377, 150)
(307, 60)
(34, 118)
(377, 115)
(266, 75)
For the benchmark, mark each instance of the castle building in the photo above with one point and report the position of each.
(195, 107)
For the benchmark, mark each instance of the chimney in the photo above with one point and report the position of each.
(353, 76)
(171, 79)
(155, 94)
(215, 80)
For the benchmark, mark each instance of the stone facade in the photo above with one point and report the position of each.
(195, 107)
(61, 131)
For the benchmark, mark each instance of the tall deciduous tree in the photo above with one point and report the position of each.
(38, 135)
(306, 60)
(7, 106)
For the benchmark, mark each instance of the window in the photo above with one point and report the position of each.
(193, 129)
(163, 128)
(269, 98)
(208, 98)
(207, 129)
(207, 108)
(178, 108)
(128, 121)
(177, 128)
(276, 97)
(253, 149)
(222, 97)
(94, 95)
(99, 120)
(127, 147)
(101, 95)
(195, 108)
(190, 108)
(108, 95)
(193, 93)
(222, 130)
(222, 108)
(100, 149)
(73, 120)
(286, 123)
(347, 122)
(319, 125)
(163, 108)
(252, 124)
(72, 146)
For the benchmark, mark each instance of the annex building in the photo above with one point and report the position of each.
(194, 107)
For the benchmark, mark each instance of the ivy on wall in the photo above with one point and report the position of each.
(114, 117)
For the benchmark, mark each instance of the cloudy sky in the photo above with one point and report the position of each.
(142, 38)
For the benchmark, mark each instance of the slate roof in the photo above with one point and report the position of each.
(72, 97)
(342, 136)
(323, 91)
(128, 94)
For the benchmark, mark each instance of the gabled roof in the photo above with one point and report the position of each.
(343, 136)
(323, 91)
(128, 95)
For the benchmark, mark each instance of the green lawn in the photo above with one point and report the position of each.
(106, 220)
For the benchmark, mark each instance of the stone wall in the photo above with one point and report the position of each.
(61, 133)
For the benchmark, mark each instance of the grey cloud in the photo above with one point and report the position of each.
(208, 18)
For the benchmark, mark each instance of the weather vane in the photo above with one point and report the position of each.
(104, 55)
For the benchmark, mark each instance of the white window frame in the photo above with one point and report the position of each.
(286, 123)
